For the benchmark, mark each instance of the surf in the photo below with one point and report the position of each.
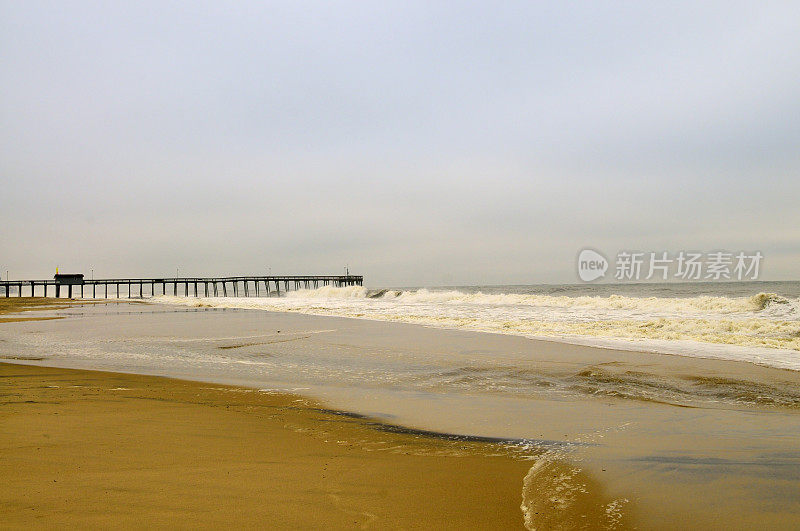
(762, 327)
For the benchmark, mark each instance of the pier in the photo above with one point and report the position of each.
(243, 286)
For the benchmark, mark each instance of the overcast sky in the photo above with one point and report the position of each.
(423, 143)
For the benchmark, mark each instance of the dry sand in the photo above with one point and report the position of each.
(98, 449)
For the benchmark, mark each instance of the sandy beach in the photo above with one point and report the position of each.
(97, 449)
(216, 416)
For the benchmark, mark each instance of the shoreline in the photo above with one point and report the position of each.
(95, 448)
(660, 465)
(681, 347)
(673, 348)
(379, 425)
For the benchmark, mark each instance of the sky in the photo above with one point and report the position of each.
(418, 143)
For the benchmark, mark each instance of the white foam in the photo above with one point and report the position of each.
(762, 329)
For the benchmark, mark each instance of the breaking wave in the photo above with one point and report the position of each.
(763, 328)
(724, 305)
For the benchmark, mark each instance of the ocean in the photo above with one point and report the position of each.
(757, 322)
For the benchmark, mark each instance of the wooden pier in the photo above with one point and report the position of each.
(247, 286)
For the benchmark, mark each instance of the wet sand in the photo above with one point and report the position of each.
(98, 449)
(20, 307)
(652, 441)
(15, 305)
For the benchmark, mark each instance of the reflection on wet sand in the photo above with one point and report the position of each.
(616, 438)
(88, 448)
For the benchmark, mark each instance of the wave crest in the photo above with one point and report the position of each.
(699, 304)
(762, 301)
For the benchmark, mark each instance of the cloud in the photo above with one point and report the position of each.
(417, 142)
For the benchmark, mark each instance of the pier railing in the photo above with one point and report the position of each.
(245, 286)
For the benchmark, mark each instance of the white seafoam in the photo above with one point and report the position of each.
(762, 329)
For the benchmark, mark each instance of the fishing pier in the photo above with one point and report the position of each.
(246, 286)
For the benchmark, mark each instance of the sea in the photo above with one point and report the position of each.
(756, 322)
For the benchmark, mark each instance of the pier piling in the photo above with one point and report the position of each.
(210, 285)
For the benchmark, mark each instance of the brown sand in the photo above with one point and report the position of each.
(16, 305)
(98, 449)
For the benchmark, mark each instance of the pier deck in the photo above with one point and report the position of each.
(242, 286)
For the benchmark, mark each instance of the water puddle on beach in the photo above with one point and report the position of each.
(615, 439)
